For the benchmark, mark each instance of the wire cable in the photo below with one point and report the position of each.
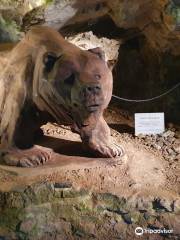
(148, 99)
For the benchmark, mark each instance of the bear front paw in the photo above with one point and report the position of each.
(26, 158)
(107, 150)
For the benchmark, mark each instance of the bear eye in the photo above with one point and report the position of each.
(70, 80)
(49, 61)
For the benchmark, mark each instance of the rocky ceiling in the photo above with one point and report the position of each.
(158, 20)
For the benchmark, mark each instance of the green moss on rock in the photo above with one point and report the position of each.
(9, 30)
(37, 213)
(174, 10)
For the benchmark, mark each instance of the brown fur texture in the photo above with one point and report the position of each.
(50, 79)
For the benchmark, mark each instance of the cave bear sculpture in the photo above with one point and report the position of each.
(49, 79)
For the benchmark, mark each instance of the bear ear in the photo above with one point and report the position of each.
(99, 52)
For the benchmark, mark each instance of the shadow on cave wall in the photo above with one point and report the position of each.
(142, 72)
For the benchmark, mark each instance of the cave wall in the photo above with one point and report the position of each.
(143, 72)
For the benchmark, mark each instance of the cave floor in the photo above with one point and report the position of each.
(77, 196)
(142, 170)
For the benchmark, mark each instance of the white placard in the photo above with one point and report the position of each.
(149, 123)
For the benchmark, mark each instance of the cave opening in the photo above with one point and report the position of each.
(101, 27)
